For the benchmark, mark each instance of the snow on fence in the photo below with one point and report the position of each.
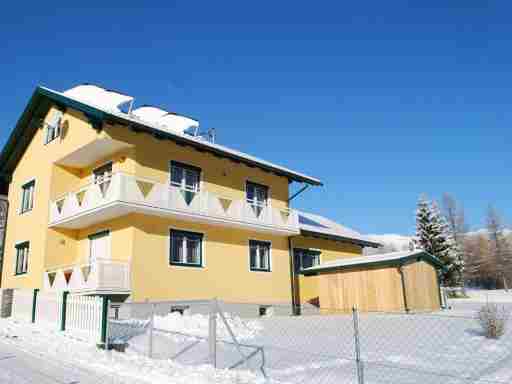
(49, 308)
(22, 304)
(83, 317)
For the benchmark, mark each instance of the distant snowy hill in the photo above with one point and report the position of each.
(394, 243)
(390, 242)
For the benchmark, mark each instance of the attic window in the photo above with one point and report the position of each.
(52, 127)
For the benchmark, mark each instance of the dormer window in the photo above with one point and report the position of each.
(53, 127)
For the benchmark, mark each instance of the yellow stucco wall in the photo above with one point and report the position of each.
(133, 236)
(37, 163)
(225, 274)
(308, 286)
(150, 159)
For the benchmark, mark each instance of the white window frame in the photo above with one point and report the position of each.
(260, 270)
(174, 264)
(256, 202)
(102, 179)
(21, 209)
(17, 247)
(56, 131)
(186, 168)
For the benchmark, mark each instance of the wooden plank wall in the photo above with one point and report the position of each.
(421, 287)
(377, 289)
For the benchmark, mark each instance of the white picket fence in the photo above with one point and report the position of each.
(49, 309)
(83, 317)
(22, 304)
(83, 313)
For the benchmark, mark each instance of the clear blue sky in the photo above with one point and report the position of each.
(381, 100)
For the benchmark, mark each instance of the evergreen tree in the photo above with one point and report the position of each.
(433, 236)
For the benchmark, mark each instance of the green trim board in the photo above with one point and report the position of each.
(415, 257)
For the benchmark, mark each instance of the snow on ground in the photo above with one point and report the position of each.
(198, 325)
(491, 296)
(129, 367)
(446, 347)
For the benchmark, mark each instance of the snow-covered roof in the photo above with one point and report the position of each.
(109, 103)
(383, 258)
(314, 224)
(93, 94)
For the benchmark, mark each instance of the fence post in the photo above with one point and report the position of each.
(34, 305)
(151, 326)
(63, 310)
(212, 332)
(359, 362)
(104, 322)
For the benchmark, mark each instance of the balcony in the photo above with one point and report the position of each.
(121, 194)
(104, 276)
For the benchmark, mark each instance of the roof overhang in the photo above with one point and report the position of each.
(327, 236)
(397, 262)
(43, 98)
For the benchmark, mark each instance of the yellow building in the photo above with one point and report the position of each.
(109, 199)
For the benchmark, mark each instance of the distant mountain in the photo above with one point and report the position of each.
(390, 243)
(394, 243)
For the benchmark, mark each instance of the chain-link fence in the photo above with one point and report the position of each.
(320, 345)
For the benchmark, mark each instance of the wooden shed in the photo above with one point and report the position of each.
(398, 281)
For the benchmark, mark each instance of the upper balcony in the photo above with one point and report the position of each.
(121, 194)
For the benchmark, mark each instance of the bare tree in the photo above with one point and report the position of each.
(499, 248)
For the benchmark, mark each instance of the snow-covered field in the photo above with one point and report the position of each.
(446, 347)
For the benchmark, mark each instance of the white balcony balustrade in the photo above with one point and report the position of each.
(122, 194)
(104, 276)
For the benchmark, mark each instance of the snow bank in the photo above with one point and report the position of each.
(128, 367)
(484, 296)
(198, 325)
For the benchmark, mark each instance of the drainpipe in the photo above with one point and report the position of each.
(293, 280)
(4, 208)
(404, 292)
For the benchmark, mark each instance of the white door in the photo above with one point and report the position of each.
(99, 248)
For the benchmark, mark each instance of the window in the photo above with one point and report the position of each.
(305, 258)
(259, 252)
(22, 258)
(102, 176)
(185, 176)
(186, 248)
(53, 127)
(27, 196)
(257, 196)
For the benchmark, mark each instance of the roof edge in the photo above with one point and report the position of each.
(58, 98)
(419, 256)
(362, 242)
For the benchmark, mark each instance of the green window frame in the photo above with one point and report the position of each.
(185, 248)
(22, 251)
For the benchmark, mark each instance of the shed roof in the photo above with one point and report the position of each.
(319, 226)
(392, 258)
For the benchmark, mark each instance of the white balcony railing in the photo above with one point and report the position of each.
(138, 194)
(102, 276)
